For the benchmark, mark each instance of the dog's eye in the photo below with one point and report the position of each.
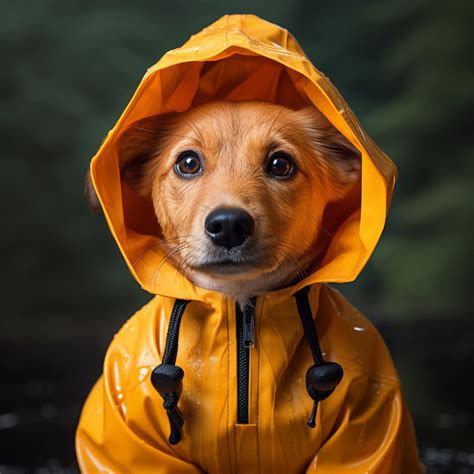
(280, 164)
(188, 163)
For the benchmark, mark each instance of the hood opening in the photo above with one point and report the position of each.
(336, 214)
(241, 58)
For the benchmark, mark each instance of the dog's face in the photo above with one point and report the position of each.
(239, 189)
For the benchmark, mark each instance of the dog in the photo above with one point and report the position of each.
(238, 185)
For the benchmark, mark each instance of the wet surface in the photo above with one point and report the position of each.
(46, 374)
(435, 361)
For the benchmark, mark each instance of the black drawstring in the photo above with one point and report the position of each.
(323, 377)
(167, 377)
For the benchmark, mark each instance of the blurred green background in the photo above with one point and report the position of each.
(69, 69)
(404, 67)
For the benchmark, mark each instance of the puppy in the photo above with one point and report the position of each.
(235, 215)
(247, 198)
(239, 190)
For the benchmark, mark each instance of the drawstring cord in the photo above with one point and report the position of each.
(323, 377)
(167, 377)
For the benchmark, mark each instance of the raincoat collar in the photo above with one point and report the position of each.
(240, 57)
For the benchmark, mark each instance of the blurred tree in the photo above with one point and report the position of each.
(405, 69)
(427, 255)
(71, 67)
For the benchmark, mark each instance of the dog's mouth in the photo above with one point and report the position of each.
(226, 266)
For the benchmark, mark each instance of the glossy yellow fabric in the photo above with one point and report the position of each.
(364, 426)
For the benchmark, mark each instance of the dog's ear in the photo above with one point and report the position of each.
(90, 194)
(343, 159)
(140, 147)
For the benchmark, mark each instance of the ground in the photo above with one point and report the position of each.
(48, 369)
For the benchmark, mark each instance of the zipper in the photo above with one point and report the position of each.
(245, 325)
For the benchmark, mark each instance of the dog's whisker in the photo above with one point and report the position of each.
(166, 258)
(158, 244)
(278, 115)
(183, 264)
(188, 120)
(300, 271)
(144, 252)
(320, 225)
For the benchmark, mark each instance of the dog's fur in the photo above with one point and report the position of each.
(234, 142)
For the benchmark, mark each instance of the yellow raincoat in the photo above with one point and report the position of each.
(364, 425)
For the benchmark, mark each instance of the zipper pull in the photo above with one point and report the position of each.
(248, 326)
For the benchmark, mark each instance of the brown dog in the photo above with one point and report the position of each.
(236, 215)
(239, 190)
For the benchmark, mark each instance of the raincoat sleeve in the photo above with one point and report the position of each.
(123, 427)
(106, 444)
(375, 435)
(372, 431)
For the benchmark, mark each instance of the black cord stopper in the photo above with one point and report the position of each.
(323, 377)
(167, 378)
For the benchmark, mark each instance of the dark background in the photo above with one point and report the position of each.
(68, 70)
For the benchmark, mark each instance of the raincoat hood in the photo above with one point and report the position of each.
(243, 387)
(240, 58)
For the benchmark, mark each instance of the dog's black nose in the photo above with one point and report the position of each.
(229, 227)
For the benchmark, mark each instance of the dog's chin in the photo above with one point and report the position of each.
(240, 279)
(229, 269)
